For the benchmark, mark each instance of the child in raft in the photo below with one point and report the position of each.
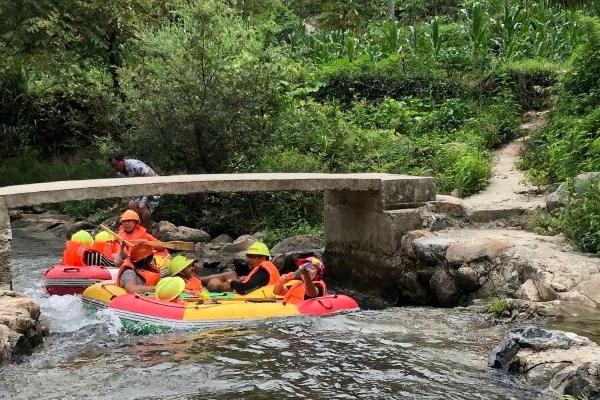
(309, 281)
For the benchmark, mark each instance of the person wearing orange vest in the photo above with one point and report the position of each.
(309, 281)
(139, 274)
(262, 272)
(131, 230)
(76, 247)
(185, 268)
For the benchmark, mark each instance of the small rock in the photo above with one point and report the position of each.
(407, 244)
(559, 197)
(475, 249)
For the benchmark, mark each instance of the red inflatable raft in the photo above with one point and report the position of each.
(65, 279)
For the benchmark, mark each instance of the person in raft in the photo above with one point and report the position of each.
(262, 272)
(76, 247)
(127, 168)
(308, 281)
(104, 251)
(139, 273)
(131, 230)
(185, 268)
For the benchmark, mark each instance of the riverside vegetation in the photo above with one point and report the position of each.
(289, 85)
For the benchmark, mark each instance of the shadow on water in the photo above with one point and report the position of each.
(399, 353)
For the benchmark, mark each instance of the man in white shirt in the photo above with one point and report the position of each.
(129, 167)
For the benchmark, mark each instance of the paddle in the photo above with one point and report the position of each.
(173, 245)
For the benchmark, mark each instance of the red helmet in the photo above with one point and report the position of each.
(140, 251)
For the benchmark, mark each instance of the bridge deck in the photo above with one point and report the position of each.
(54, 192)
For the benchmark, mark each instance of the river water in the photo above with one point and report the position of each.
(399, 353)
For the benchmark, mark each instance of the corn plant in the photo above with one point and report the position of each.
(479, 30)
(509, 27)
(433, 34)
(413, 38)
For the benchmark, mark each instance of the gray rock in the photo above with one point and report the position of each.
(222, 238)
(528, 291)
(166, 231)
(449, 205)
(298, 243)
(467, 279)
(475, 249)
(407, 243)
(444, 287)
(543, 339)
(503, 354)
(432, 250)
(559, 197)
(288, 250)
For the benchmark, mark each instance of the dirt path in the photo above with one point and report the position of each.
(508, 194)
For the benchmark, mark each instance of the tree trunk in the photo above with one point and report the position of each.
(392, 9)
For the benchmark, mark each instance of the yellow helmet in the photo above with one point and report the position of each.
(82, 237)
(130, 215)
(104, 237)
(179, 263)
(169, 288)
(258, 249)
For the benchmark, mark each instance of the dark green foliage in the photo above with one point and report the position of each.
(374, 81)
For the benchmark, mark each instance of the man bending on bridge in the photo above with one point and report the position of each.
(127, 168)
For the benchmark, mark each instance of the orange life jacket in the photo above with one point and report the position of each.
(73, 254)
(150, 277)
(193, 285)
(267, 266)
(108, 249)
(139, 232)
(297, 292)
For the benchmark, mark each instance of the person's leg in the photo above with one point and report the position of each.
(145, 216)
(223, 276)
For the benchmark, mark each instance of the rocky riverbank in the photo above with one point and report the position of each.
(20, 328)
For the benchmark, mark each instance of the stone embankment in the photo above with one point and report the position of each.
(20, 328)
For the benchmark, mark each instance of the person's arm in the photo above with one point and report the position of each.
(280, 289)
(131, 282)
(311, 289)
(121, 255)
(259, 279)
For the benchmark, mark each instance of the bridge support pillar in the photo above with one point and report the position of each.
(5, 242)
(363, 230)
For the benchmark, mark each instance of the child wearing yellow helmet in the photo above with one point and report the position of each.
(185, 268)
(262, 272)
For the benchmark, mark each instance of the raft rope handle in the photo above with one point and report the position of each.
(328, 306)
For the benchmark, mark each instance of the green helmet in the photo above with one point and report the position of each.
(82, 237)
(179, 263)
(258, 249)
(169, 288)
(103, 237)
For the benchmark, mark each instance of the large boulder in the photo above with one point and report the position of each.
(432, 250)
(222, 254)
(288, 250)
(581, 183)
(20, 329)
(564, 362)
(167, 231)
(475, 249)
(444, 287)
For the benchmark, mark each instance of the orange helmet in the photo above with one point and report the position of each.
(130, 215)
(140, 251)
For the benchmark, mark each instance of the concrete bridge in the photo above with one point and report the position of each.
(365, 214)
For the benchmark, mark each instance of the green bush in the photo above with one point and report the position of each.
(580, 219)
(497, 306)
